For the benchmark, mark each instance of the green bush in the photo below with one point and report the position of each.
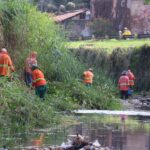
(102, 27)
(76, 95)
(70, 6)
(33, 30)
(140, 63)
(26, 29)
(20, 110)
(51, 8)
(96, 97)
(147, 2)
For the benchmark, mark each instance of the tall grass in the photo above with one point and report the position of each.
(33, 30)
(26, 29)
(20, 109)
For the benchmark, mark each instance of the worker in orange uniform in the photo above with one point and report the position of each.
(88, 77)
(6, 65)
(131, 77)
(30, 60)
(38, 81)
(123, 84)
(131, 81)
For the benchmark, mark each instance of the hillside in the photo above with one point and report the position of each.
(26, 29)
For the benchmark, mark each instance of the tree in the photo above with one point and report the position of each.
(51, 8)
(147, 2)
(102, 27)
(71, 6)
(62, 8)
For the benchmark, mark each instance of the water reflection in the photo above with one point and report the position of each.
(116, 136)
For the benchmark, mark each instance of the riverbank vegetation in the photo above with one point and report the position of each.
(115, 56)
(25, 29)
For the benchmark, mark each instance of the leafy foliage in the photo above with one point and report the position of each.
(26, 29)
(20, 110)
(102, 27)
(36, 31)
(147, 2)
(44, 5)
(70, 6)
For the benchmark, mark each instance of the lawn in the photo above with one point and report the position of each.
(108, 44)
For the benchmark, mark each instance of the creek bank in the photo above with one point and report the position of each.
(139, 102)
(118, 60)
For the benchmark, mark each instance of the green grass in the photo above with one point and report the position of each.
(108, 44)
(147, 2)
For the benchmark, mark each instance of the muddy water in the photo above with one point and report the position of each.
(116, 136)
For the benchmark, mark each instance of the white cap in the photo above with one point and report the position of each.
(124, 72)
(34, 65)
(3, 50)
(90, 69)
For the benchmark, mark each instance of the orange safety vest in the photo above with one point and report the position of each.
(131, 77)
(5, 64)
(123, 83)
(38, 78)
(88, 77)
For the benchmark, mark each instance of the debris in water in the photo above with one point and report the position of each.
(77, 143)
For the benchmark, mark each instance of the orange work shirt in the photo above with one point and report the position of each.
(88, 77)
(131, 77)
(38, 78)
(5, 64)
(123, 83)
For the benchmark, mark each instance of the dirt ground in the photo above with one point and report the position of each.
(137, 102)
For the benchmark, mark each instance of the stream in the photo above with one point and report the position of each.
(116, 133)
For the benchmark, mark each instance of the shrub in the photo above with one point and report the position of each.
(99, 96)
(147, 2)
(102, 27)
(51, 8)
(70, 6)
(62, 8)
(25, 30)
(20, 110)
